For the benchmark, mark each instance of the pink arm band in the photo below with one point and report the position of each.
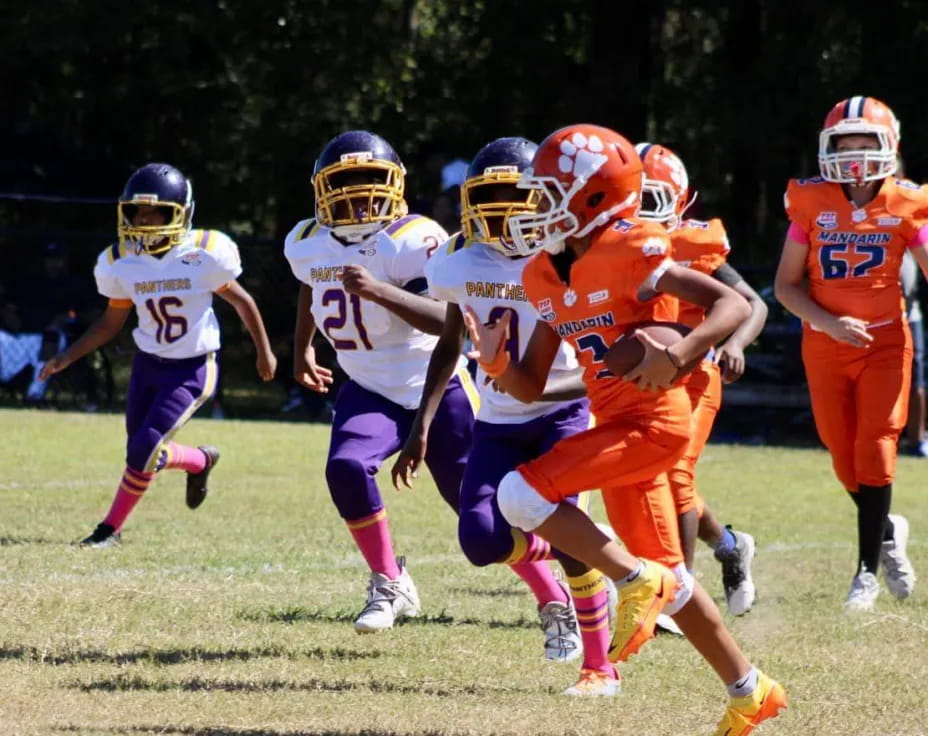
(921, 237)
(797, 233)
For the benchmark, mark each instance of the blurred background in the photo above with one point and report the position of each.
(242, 96)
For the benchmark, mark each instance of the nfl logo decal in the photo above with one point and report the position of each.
(827, 220)
(570, 297)
(191, 259)
(859, 215)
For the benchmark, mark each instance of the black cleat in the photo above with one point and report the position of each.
(103, 536)
(196, 482)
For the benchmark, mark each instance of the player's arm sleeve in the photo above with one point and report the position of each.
(225, 261)
(407, 268)
(108, 284)
(915, 227)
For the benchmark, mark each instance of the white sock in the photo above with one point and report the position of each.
(744, 685)
(632, 576)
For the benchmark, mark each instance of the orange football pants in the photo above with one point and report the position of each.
(627, 455)
(704, 387)
(860, 400)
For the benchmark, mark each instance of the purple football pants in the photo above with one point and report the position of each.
(163, 395)
(368, 428)
(484, 534)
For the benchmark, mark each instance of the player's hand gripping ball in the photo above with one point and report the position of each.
(628, 351)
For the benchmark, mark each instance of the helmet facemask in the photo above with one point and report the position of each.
(359, 195)
(552, 223)
(660, 202)
(489, 201)
(856, 166)
(153, 239)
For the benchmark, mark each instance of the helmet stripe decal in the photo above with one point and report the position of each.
(854, 107)
(644, 151)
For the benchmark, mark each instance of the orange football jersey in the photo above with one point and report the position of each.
(609, 289)
(855, 254)
(702, 246)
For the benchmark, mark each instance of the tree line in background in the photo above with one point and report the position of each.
(242, 96)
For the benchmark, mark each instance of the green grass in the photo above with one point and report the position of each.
(236, 619)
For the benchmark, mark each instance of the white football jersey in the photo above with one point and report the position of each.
(470, 273)
(173, 294)
(377, 349)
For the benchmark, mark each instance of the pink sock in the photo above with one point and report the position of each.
(133, 485)
(191, 459)
(590, 602)
(372, 535)
(541, 580)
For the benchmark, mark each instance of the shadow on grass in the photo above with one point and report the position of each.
(127, 683)
(491, 592)
(298, 614)
(21, 541)
(228, 731)
(179, 656)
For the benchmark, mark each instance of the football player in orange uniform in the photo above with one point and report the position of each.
(849, 229)
(703, 246)
(602, 270)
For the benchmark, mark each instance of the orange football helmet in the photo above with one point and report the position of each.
(665, 194)
(588, 176)
(858, 116)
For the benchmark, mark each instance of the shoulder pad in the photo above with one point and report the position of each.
(113, 253)
(398, 228)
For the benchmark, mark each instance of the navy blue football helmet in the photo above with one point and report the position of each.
(359, 183)
(489, 195)
(162, 186)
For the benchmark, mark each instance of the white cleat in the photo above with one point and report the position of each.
(863, 593)
(666, 625)
(388, 600)
(736, 574)
(562, 634)
(593, 683)
(897, 568)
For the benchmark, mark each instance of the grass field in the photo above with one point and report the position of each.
(236, 619)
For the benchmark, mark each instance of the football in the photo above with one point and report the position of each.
(627, 351)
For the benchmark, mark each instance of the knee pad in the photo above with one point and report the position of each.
(353, 491)
(687, 583)
(481, 542)
(143, 449)
(521, 505)
(343, 472)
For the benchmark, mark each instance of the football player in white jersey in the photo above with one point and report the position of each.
(481, 270)
(360, 263)
(168, 272)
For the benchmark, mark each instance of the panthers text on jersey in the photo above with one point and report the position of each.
(855, 253)
(377, 349)
(172, 294)
(611, 286)
(470, 273)
(702, 246)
